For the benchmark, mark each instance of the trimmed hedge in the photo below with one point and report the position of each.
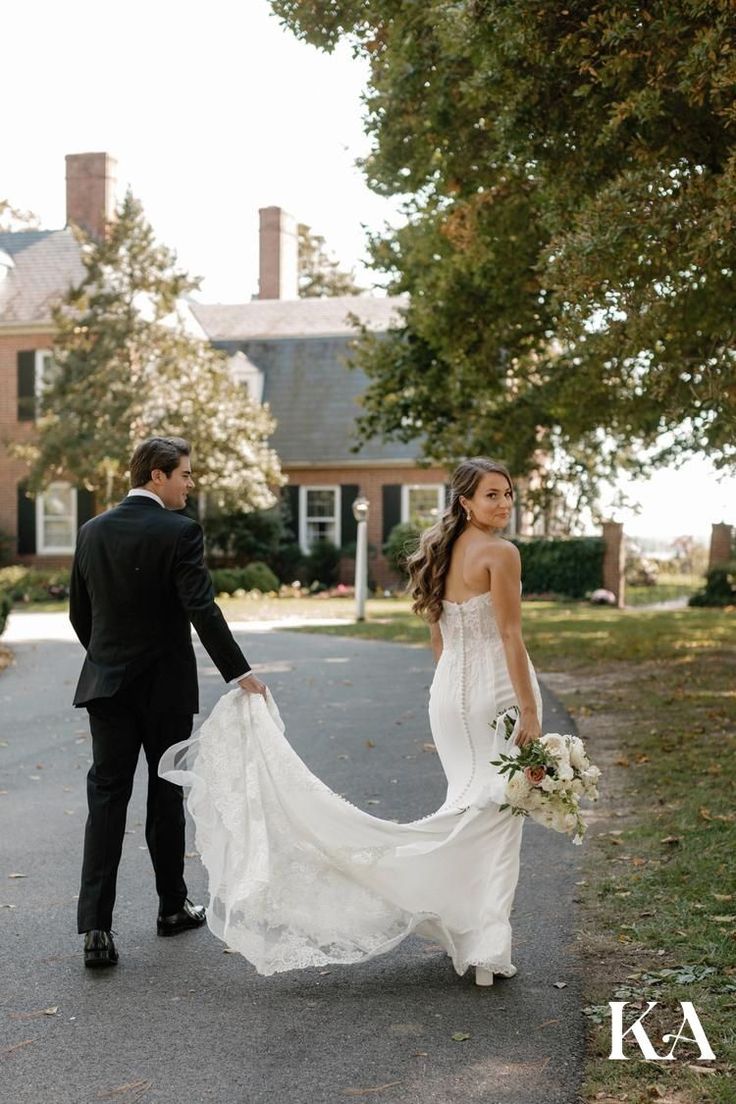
(256, 576)
(719, 589)
(32, 584)
(570, 567)
(402, 541)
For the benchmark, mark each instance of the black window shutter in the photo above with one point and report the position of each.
(348, 524)
(391, 507)
(290, 495)
(26, 386)
(85, 506)
(26, 523)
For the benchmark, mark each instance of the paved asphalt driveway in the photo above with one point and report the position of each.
(180, 1020)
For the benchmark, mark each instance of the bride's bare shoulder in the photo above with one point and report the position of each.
(499, 552)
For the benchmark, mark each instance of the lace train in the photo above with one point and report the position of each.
(300, 877)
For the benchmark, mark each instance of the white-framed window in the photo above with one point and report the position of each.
(319, 515)
(45, 368)
(56, 519)
(422, 503)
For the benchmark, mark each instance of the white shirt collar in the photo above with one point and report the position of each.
(146, 494)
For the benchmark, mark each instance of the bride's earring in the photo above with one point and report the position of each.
(468, 515)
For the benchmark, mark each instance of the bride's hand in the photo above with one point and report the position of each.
(529, 728)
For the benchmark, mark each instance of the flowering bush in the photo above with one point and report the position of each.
(547, 779)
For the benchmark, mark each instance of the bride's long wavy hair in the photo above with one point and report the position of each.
(429, 564)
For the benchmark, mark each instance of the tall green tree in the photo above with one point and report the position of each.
(569, 248)
(131, 362)
(320, 274)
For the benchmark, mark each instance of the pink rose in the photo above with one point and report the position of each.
(534, 775)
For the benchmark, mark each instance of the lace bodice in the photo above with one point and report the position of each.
(467, 623)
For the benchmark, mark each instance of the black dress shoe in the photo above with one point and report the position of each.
(188, 916)
(99, 949)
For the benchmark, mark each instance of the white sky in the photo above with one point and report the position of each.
(212, 111)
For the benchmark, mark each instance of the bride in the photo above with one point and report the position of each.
(298, 876)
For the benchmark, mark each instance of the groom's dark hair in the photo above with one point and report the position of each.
(163, 453)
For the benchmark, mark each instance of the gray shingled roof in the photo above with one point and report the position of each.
(296, 317)
(45, 264)
(313, 396)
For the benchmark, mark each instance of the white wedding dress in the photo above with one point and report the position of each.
(300, 877)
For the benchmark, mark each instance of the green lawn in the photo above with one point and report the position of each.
(665, 589)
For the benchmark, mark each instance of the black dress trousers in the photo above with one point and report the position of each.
(120, 726)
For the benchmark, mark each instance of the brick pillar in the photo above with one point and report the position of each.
(721, 545)
(90, 191)
(614, 560)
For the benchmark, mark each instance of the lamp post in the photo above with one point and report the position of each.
(361, 507)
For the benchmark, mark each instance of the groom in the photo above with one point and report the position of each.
(138, 580)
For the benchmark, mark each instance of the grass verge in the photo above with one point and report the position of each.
(654, 696)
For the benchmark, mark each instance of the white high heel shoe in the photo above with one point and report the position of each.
(485, 977)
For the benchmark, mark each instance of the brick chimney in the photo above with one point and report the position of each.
(90, 191)
(279, 254)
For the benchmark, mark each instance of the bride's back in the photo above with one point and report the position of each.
(471, 562)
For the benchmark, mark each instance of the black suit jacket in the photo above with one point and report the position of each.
(138, 580)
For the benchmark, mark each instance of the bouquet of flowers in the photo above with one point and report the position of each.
(547, 777)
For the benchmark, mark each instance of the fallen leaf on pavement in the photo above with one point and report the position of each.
(17, 875)
(560, 984)
(460, 1036)
(547, 1023)
(35, 1015)
(370, 744)
(372, 1089)
(16, 1046)
(138, 1087)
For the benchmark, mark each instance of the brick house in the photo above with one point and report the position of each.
(292, 354)
(289, 352)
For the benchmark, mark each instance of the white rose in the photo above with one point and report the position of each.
(565, 772)
(578, 758)
(516, 788)
(555, 743)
